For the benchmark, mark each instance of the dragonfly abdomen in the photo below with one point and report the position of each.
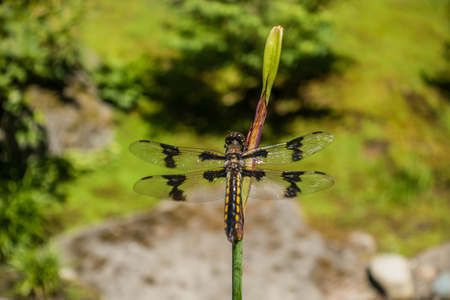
(234, 215)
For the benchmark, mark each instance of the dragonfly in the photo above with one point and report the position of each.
(208, 175)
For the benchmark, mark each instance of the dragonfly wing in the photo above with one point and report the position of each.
(174, 157)
(190, 187)
(272, 185)
(291, 151)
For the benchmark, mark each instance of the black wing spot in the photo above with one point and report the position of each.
(210, 156)
(317, 132)
(292, 178)
(175, 181)
(257, 174)
(211, 175)
(257, 153)
(170, 152)
(292, 190)
(295, 146)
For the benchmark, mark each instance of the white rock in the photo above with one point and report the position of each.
(392, 272)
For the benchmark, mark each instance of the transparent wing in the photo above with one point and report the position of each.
(177, 157)
(273, 185)
(190, 187)
(291, 151)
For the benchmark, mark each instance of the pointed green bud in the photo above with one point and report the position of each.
(271, 59)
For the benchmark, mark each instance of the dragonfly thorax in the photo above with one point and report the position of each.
(234, 161)
(234, 147)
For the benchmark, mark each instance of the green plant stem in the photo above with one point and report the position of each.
(237, 270)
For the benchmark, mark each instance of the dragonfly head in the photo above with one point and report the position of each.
(235, 140)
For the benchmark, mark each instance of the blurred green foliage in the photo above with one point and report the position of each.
(391, 169)
(21, 218)
(216, 67)
(441, 77)
(24, 203)
(119, 83)
(39, 272)
(37, 43)
(37, 47)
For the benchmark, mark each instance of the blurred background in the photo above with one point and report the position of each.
(81, 80)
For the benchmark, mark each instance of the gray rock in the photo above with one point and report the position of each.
(441, 286)
(181, 252)
(85, 122)
(391, 272)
